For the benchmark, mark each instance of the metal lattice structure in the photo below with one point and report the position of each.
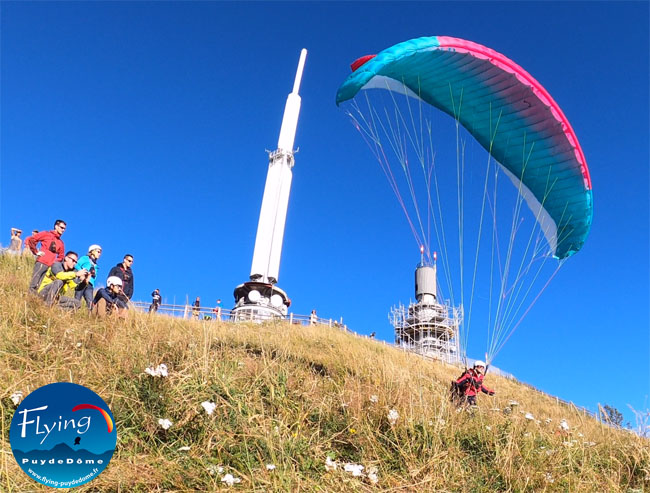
(428, 326)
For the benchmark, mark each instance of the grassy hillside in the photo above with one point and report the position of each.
(292, 396)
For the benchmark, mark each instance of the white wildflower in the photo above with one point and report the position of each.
(372, 475)
(229, 479)
(212, 469)
(164, 423)
(430, 423)
(330, 465)
(488, 428)
(184, 449)
(550, 452)
(209, 406)
(513, 403)
(590, 444)
(393, 415)
(270, 467)
(548, 420)
(355, 469)
(527, 434)
(78, 344)
(564, 425)
(580, 435)
(159, 371)
(549, 478)
(16, 397)
(529, 417)
(162, 370)
(441, 422)
(374, 399)
(568, 444)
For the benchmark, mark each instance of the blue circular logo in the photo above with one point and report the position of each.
(63, 435)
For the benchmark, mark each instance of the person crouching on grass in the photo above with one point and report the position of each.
(61, 280)
(110, 300)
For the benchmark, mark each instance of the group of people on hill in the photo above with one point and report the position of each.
(215, 312)
(67, 280)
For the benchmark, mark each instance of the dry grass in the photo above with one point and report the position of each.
(290, 396)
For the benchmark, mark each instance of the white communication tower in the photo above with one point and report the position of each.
(260, 298)
(428, 326)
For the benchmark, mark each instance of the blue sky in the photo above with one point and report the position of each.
(144, 126)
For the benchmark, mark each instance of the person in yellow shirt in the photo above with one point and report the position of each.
(61, 280)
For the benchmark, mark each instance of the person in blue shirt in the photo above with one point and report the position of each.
(88, 262)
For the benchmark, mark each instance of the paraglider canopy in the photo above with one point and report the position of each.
(507, 111)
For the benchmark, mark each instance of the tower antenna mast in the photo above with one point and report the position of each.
(260, 298)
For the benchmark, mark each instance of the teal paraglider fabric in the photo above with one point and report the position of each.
(507, 111)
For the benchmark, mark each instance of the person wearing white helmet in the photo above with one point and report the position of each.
(110, 300)
(469, 384)
(88, 262)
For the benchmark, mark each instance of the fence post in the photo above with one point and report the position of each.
(291, 318)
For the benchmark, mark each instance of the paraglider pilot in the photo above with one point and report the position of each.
(470, 383)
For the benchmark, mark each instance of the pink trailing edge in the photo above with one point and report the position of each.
(485, 53)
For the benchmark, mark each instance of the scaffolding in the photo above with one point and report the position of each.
(428, 326)
(429, 329)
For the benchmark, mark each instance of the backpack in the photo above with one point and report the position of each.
(457, 390)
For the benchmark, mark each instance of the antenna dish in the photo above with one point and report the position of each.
(254, 296)
(276, 300)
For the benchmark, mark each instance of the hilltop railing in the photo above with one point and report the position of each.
(209, 314)
(225, 315)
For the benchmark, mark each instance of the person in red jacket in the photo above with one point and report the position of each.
(470, 384)
(52, 250)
